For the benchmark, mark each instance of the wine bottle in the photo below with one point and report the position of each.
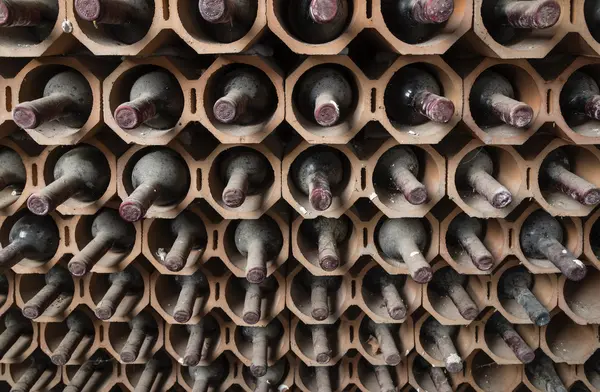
(511, 337)
(59, 285)
(592, 18)
(151, 372)
(12, 175)
(516, 283)
(15, 326)
(384, 378)
(253, 299)
(385, 340)
(442, 336)
(192, 287)
(324, 96)
(81, 173)
(190, 233)
(399, 169)
(210, 375)
(580, 99)
(245, 173)
(272, 379)
(509, 20)
(468, 233)
(320, 288)
(159, 177)
(476, 171)
(436, 374)
(143, 330)
(227, 21)
(259, 241)
(542, 237)
(67, 99)
(79, 327)
(383, 285)
(556, 173)
(99, 363)
(155, 100)
(246, 97)
(327, 233)
(31, 237)
(122, 283)
(200, 334)
(414, 97)
(20, 13)
(320, 342)
(318, 174)
(415, 22)
(542, 374)
(405, 239)
(448, 283)
(323, 380)
(260, 337)
(318, 21)
(38, 363)
(109, 233)
(493, 102)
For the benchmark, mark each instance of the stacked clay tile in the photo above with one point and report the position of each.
(302, 195)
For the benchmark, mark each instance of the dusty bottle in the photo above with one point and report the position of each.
(517, 283)
(414, 96)
(405, 239)
(160, 177)
(81, 173)
(155, 100)
(542, 237)
(210, 375)
(15, 326)
(261, 337)
(190, 234)
(447, 282)
(580, 99)
(31, 237)
(109, 234)
(436, 374)
(318, 174)
(12, 175)
(476, 171)
(415, 22)
(259, 241)
(19, 13)
(542, 374)
(38, 363)
(227, 20)
(322, 378)
(67, 99)
(92, 371)
(193, 287)
(143, 332)
(381, 284)
(507, 20)
(318, 21)
(328, 233)
(556, 173)
(320, 334)
(324, 96)
(80, 327)
(442, 336)
(511, 337)
(271, 380)
(151, 372)
(385, 340)
(398, 170)
(255, 293)
(245, 97)
(59, 284)
(126, 21)
(127, 282)
(384, 378)
(244, 172)
(469, 234)
(592, 18)
(320, 288)
(200, 333)
(493, 101)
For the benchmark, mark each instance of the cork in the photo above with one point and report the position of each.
(116, 335)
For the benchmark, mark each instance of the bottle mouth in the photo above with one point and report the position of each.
(546, 15)
(214, 11)
(128, 117)
(437, 11)
(25, 117)
(323, 11)
(88, 10)
(5, 14)
(327, 114)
